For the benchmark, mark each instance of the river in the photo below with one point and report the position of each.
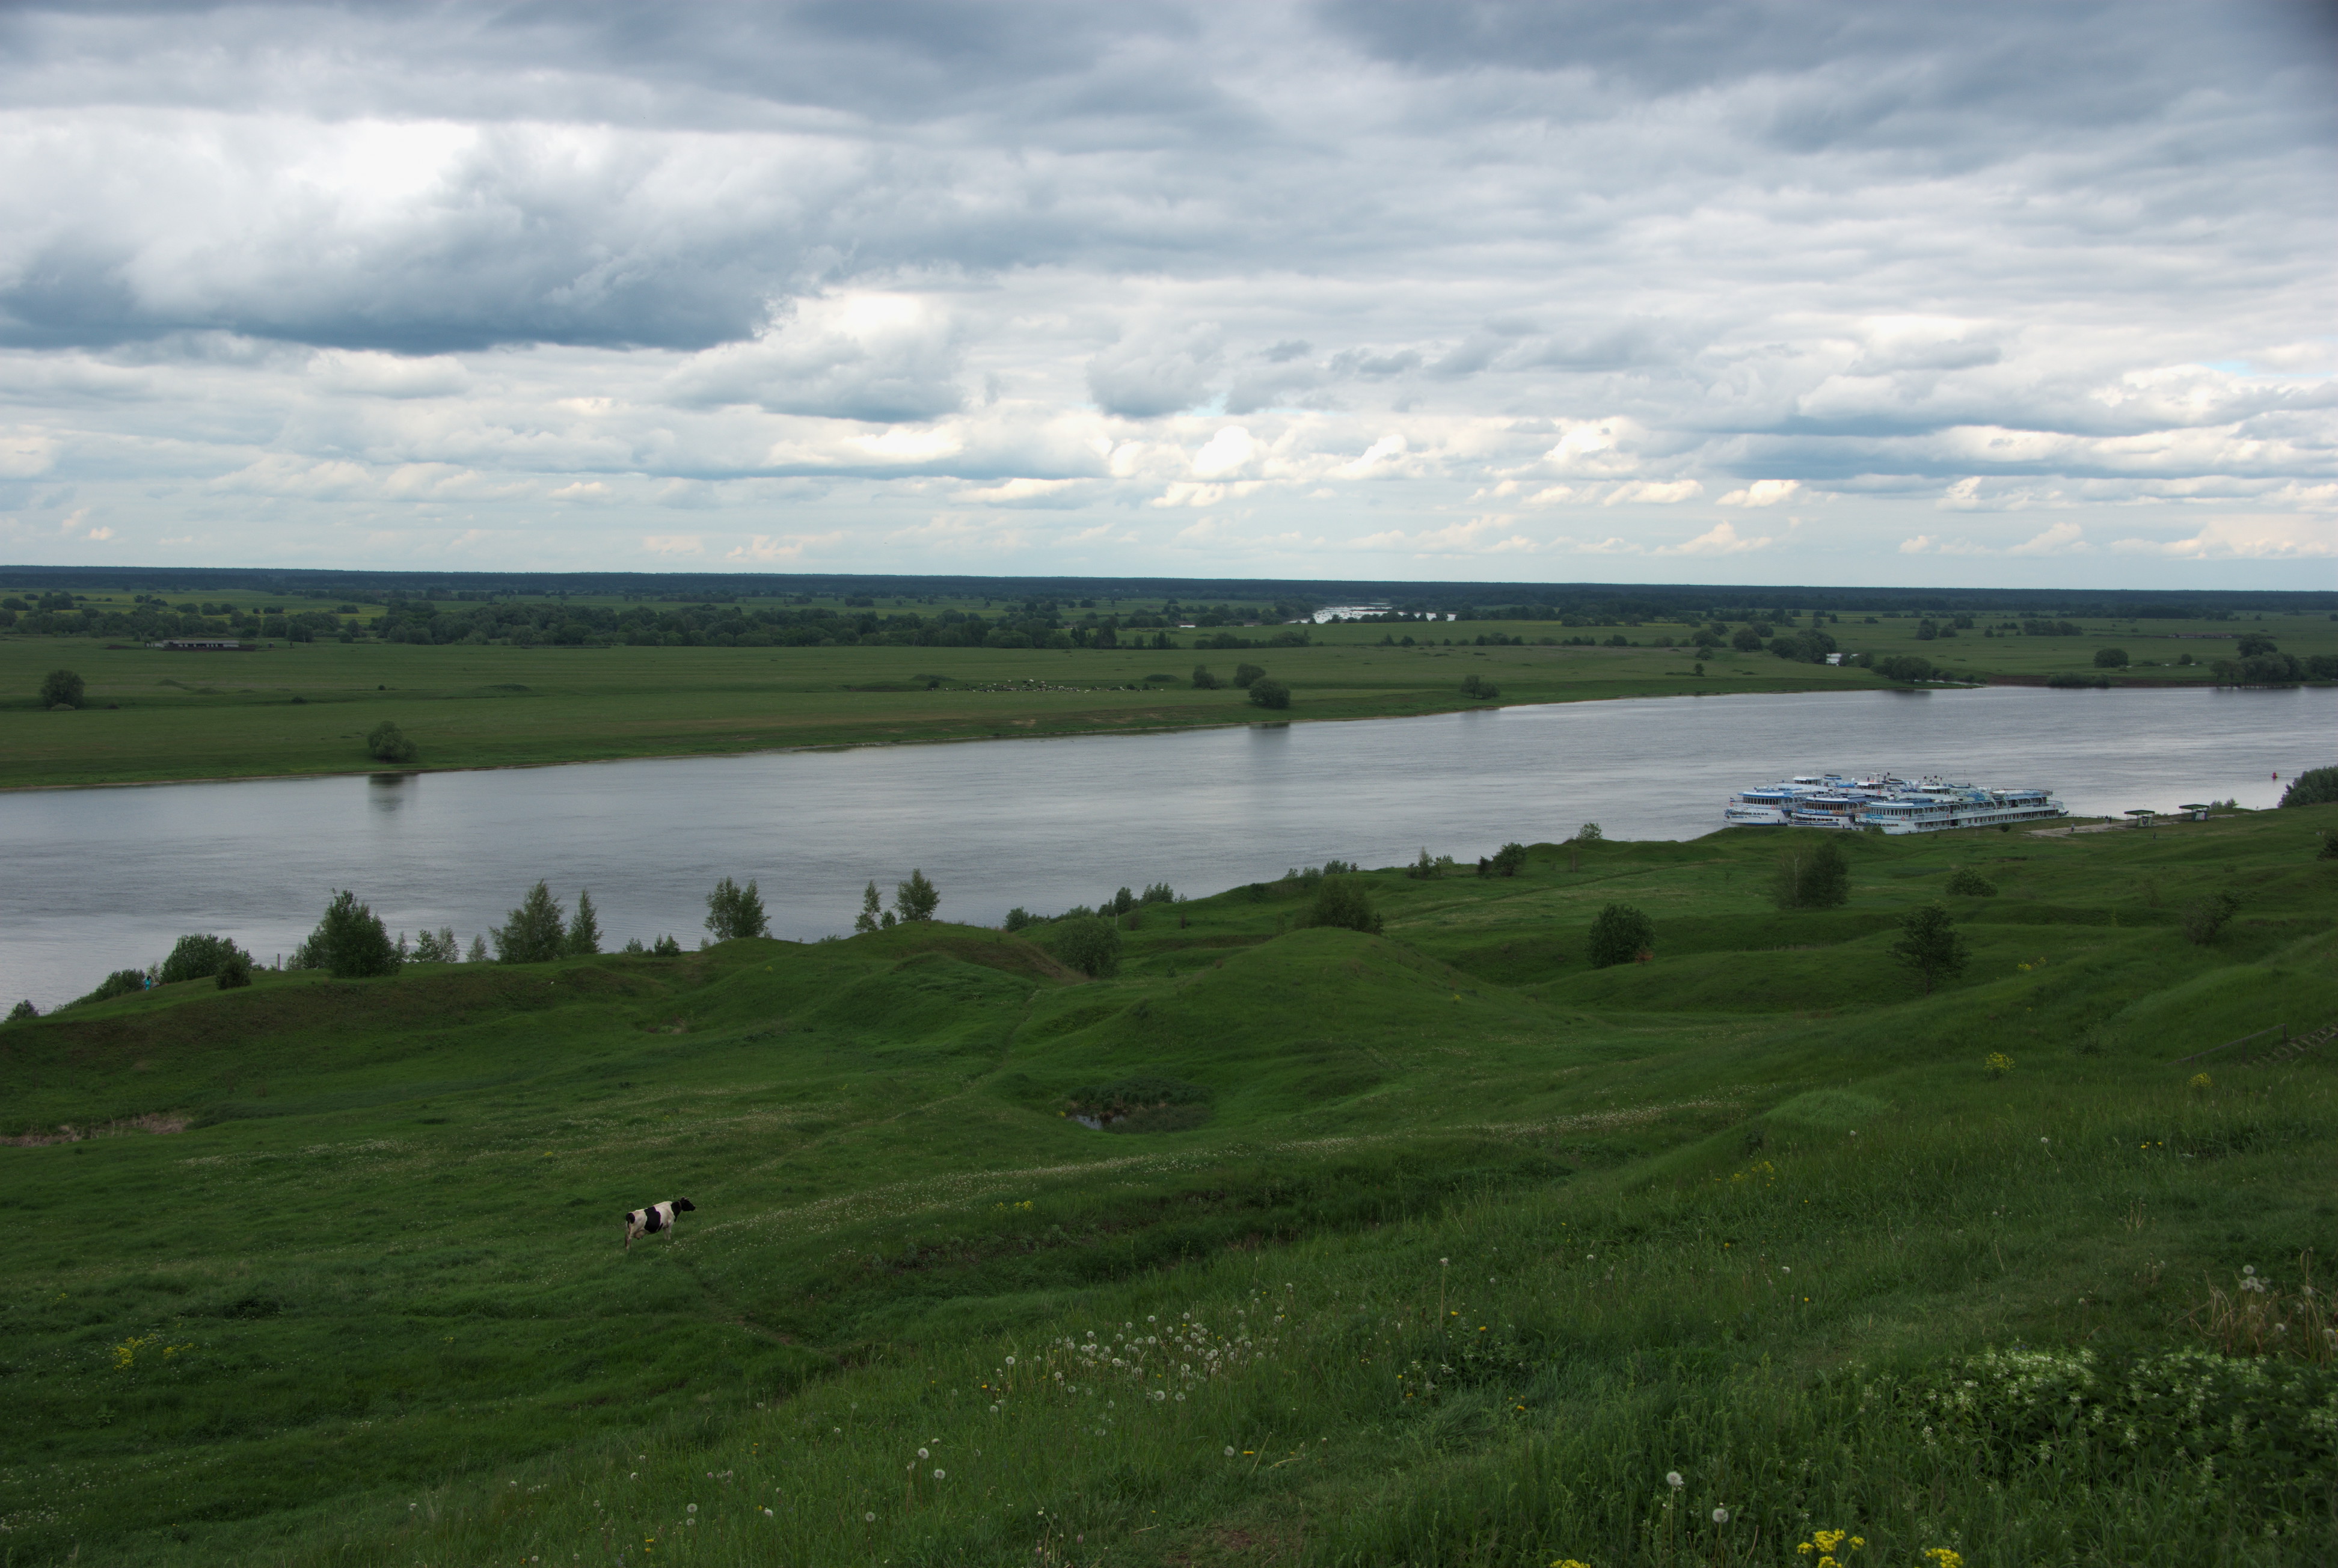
(106, 878)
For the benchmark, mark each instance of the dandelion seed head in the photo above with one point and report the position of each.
(1673, 1479)
(1721, 1515)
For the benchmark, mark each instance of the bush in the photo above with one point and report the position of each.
(22, 1011)
(2315, 787)
(1903, 668)
(1478, 689)
(583, 938)
(1020, 919)
(1747, 641)
(1247, 675)
(1270, 694)
(1812, 875)
(535, 932)
(350, 942)
(1086, 944)
(1344, 902)
(665, 948)
(2203, 917)
(914, 900)
(1158, 892)
(62, 689)
(1969, 882)
(121, 983)
(1204, 681)
(388, 743)
(235, 973)
(1929, 944)
(198, 957)
(1619, 935)
(2110, 657)
(1143, 1104)
(733, 911)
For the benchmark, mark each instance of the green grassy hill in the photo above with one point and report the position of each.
(1444, 1247)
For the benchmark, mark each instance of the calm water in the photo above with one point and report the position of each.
(100, 879)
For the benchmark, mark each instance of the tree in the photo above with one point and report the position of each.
(2110, 657)
(478, 949)
(437, 946)
(198, 958)
(733, 911)
(1020, 919)
(665, 948)
(62, 689)
(388, 743)
(2315, 787)
(1588, 834)
(1247, 675)
(1344, 902)
(1204, 681)
(916, 899)
(350, 942)
(1812, 875)
(2203, 917)
(1084, 943)
(22, 1011)
(1969, 882)
(584, 929)
(1929, 944)
(535, 932)
(1747, 641)
(1478, 689)
(1270, 692)
(1120, 903)
(121, 983)
(1157, 893)
(1903, 668)
(1619, 935)
(235, 971)
(870, 906)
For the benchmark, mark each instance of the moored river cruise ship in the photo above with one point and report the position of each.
(1887, 803)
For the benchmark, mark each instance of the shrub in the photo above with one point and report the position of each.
(22, 1011)
(913, 899)
(2203, 917)
(2110, 657)
(198, 958)
(2315, 787)
(62, 689)
(1478, 689)
(121, 983)
(1969, 882)
(438, 947)
(1747, 641)
(388, 743)
(733, 911)
(1270, 694)
(1247, 675)
(1158, 892)
(1086, 944)
(1587, 833)
(1160, 680)
(1204, 681)
(1811, 876)
(1344, 902)
(1149, 1103)
(350, 942)
(235, 971)
(1020, 919)
(1426, 869)
(1903, 668)
(665, 948)
(1929, 945)
(584, 937)
(535, 932)
(1619, 935)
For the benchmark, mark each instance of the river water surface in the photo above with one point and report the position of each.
(100, 879)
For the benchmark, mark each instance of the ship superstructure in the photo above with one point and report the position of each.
(1886, 802)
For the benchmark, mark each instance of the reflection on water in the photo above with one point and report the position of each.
(100, 879)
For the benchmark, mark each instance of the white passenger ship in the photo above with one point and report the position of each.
(1888, 803)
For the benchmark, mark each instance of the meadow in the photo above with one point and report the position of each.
(307, 707)
(1457, 1250)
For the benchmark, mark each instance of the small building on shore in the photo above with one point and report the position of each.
(202, 645)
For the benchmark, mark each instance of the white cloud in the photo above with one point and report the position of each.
(1763, 492)
(1651, 493)
(2061, 539)
(674, 544)
(1226, 453)
(584, 490)
(1721, 539)
(2275, 537)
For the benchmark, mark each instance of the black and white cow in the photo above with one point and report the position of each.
(657, 1217)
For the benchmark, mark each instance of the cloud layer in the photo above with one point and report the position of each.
(1792, 291)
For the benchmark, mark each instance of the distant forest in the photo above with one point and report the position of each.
(41, 591)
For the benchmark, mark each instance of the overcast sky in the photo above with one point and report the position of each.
(1786, 292)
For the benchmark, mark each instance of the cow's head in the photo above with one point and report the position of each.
(684, 1206)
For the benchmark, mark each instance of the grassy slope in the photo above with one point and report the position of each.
(1624, 1221)
(306, 709)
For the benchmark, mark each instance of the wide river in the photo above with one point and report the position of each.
(100, 879)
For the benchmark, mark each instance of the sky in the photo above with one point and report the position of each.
(2000, 294)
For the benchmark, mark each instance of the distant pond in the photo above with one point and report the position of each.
(105, 879)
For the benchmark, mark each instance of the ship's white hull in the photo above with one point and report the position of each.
(1887, 804)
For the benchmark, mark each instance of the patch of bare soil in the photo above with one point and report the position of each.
(65, 1132)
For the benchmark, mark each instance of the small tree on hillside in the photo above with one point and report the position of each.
(1619, 935)
(1344, 902)
(234, 970)
(733, 911)
(917, 899)
(23, 1011)
(1084, 943)
(1478, 689)
(584, 929)
(1812, 875)
(197, 957)
(1248, 675)
(2315, 787)
(62, 689)
(871, 905)
(1269, 692)
(350, 942)
(1929, 944)
(1966, 882)
(535, 932)
(1204, 681)
(478, 949)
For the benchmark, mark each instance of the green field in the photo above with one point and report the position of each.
(1448, 1249)
(304, 708)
